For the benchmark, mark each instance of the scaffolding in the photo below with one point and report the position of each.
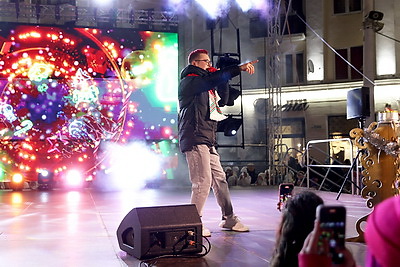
(273, 112)
(273, 88)
(79, 16)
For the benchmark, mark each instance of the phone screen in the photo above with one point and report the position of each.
(333, 229)
(285, 192)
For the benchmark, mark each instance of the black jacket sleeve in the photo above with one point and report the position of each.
(192, 85)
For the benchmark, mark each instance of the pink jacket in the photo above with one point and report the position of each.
(314, 260)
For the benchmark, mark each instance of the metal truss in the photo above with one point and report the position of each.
(88, 16)
(274, 90)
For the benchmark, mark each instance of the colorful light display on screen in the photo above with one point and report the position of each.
(64, 91)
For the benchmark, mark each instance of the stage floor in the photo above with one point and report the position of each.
(78, 228)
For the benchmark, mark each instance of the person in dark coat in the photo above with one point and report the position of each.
(198, 116)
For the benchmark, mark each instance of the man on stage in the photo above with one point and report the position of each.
(197, 123)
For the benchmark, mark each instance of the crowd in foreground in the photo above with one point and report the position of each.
(301, 242)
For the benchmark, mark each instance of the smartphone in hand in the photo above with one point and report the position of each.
(332, 220)
(285, 192)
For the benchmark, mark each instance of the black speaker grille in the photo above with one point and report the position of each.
(358, 104)
(162, 230)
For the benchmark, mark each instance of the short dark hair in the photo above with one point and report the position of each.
(195, 53)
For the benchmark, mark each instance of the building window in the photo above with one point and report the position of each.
(293, 133)
(346, 6)
(294, 68)
(289, 68)
(293, 127)
(341, 68)
(338, 128)
(290, 22)
(343, 71)
(354, 5)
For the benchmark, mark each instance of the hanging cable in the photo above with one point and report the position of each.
(333, 49)
(391, 38)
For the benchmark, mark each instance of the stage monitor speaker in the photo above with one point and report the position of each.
(358, 104)
(148, 232)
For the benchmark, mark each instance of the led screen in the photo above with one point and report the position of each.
(65, 91)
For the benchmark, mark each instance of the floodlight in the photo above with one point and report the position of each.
(230, 126)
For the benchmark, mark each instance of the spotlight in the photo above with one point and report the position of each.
(223, 92)
(17, 178)
(228, 94)
(45, 179)
(44, 173)
(226, 61)
(17, 182)
(74, 178)
(232, 132)
(229, 126)
(233, 95)
(245, 5)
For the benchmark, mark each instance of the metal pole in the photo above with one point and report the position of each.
(369, 58)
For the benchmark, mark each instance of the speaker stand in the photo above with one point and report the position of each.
(361, 123)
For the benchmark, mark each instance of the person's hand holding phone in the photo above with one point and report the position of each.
(320, 245)
(332, 223)
(312, 244)
(285, 193)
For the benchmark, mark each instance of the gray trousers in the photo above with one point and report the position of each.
(205, 172)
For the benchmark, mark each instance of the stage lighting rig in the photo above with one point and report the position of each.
(46, 179)
(227, 59)
(17, 182)
(230, 125)
(227, 92)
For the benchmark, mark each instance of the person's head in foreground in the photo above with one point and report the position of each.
(298, 218)
(382, 234)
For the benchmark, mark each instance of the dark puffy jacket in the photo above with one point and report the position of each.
(194, 124)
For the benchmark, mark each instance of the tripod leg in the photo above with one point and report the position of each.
(354, 163)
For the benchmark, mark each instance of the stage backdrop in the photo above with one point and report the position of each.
(64, 92)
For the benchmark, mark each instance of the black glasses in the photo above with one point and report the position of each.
(205, 60)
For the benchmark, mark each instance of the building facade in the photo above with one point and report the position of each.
(322, 58)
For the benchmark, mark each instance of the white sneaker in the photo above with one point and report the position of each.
(206, 232)
(233, 223)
